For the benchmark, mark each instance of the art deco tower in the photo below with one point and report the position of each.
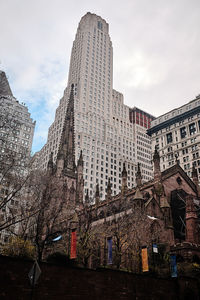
(103, 130)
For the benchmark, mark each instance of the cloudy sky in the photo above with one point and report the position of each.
(156, 46)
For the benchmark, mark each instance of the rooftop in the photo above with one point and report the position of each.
(5, 89)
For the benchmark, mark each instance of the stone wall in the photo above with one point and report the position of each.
(64, 282)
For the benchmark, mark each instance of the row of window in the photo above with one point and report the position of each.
(183, 132)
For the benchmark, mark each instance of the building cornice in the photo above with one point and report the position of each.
(173, 120)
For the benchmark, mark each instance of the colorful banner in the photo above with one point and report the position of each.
(145, 265)
(73, 245)
(109, 251)
(155, 248)
(173, 265)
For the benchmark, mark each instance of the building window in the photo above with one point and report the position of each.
(192, 128)
(100, 25)
(183, 132)
(169, 138)
(199, 124)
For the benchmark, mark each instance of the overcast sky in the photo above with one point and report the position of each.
(156, 46)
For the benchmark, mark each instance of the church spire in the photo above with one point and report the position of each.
(80, 160)
(195, 178)
(66, 152)
(97, 195)
(80, 180)
(156, 161)
(124, 179)
(138, 176)
(109, 190)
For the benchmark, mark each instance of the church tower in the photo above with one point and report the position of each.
(156, 162)
(66, 153)
(66, 173)
(191, 221)
(124, 186)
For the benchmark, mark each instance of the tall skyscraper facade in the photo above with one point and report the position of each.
(18, 139)
(16, 136)
(103, 130)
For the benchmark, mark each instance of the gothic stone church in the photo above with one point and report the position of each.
(163, 210)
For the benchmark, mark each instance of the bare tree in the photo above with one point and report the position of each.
(88, 237)
(130, 229)
(50, 212)
(14, 169)
(118, 229)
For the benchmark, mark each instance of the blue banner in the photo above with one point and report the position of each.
(173, 266)
(109, 251)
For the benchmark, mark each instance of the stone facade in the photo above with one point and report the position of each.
(16, 136)
(163, 210)
(19, 139)
(66, 179)
(65, 168)
(176, 135)
(61, 281)
(105, 130)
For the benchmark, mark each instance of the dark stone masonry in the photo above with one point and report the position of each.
(64, 282)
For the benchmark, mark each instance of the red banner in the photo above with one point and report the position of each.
(73, 245)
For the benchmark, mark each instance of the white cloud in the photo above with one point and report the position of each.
(156, 49)
(140, 71)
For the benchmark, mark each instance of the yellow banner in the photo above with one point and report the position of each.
(145, 265)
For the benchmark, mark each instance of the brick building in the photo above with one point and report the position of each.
(162, 211)
(140, 117)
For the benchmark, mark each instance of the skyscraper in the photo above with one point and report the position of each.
(16, 135)
(17, 127)
(103, 130)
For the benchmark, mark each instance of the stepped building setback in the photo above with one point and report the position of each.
(104, 130)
